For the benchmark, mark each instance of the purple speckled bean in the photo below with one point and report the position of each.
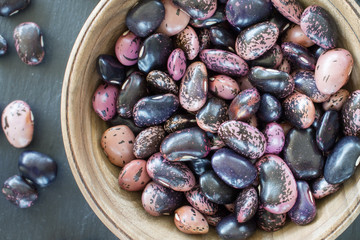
(174, 175)
(319, 26)
(176, 64)
(320, 188)
(148, 141)
(243, 138)
(127, 48)
(212, 114)
(278, 186)
(298, 55)
(194, 87)
(304, 210)
(246, 204)
(104, 101)
(256, 40)
(20, 192)
(224, 62)
(291, 9)
(199, 201)
(188, 41)
(275, 138)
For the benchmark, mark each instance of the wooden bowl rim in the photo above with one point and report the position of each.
(68, 138)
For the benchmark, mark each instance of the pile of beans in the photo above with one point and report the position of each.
(36, 170)
(229, 113)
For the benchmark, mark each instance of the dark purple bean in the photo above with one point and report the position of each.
(271, 59)
(222, 38)
(37, 167)
(19, 192)
(218, 17)
(154, 110)
(342, 162)
(154, 52)
(145, 17)
(270, 108)
(117, 120)
(185, 145)
(229, 229)
(233, 169)
(244, 13)
(110, 70)
(302, 155)
(276, 82)
(11, 7)
(304, 210)
(29, 43)
(280, 21)
(197, 9)
(133, 89)
(328, 130)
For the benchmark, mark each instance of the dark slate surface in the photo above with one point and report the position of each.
(61, 213)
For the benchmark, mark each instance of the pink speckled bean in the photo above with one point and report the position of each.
(333, 70)
(275, 138)
(337, 100)
(246, 204)
(127, 48)
(243, 138)
(278, 191)
(224, 87)
(188, 41)
(291, 9)
(256, 40)
(176, 64)
(17, 122)
(104, 101)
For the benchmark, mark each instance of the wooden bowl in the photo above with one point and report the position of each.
(122, 211)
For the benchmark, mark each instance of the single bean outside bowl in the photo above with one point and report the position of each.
(97, 178)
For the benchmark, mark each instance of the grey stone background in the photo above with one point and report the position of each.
(61, 212)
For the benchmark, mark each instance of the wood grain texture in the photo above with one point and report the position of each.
(121, 211)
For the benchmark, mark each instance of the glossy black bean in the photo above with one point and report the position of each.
(328, 130)
(278, 83)
(319, 111)
(343, 160)
(302, 155)
(154, 110)
(270, 108)
(11, 7)
(317, 51)
(3, 46)
(118, 120)
(133, 89)
(200, 166)
(37, 167)
(29, 43)
(280, 21)
(218, 17)
(145, 17)
(19, 192)
(154, 52)
(298, 55)
(229, 229)
(222, 38)
(212, 114)
(215, 189)
(304, 210)
(185, 145)
(180, 121)
(233, 169)
(244, 13)
(110, 69)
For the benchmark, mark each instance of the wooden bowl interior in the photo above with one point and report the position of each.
(122, 211)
